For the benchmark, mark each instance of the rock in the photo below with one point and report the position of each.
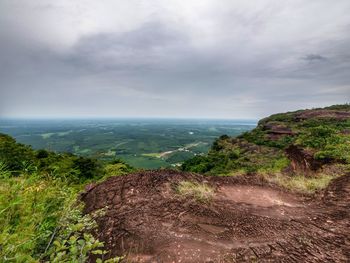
(323, 114)
(275, 131)
(302, 160)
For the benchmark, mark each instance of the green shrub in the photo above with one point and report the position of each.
(39, 216)
(74, 242)
(30, 208)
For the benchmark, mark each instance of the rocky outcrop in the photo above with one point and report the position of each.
(276, 131)
(302, 160)
(323, 114)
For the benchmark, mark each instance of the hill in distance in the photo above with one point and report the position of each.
(293, 145)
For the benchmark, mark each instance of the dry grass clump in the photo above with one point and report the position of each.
(301, 183)
(200, 191)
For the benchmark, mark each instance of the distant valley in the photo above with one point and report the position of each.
(142, 143)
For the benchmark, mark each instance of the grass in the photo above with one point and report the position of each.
(200, 191)
(301, 183)
(30, 208)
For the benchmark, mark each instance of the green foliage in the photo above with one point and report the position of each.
(178, 157)
(19, 159)
(337, 148)
(262, 149)
(74, 241)
(345, 107)
(117, 167)
(279, 117)
(4, 171)
(237, 157)
(316, 137)
(15, 154)
(40, 218)
(88, 168)
(259, 137)
(30, 208)
(76, 249)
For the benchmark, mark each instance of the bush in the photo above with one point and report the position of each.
(117, 167)
(88, 168)
(39, 216)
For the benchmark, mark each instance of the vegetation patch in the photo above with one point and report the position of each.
(322, 133)
(40, 216)
(200, 191)
(301, 183)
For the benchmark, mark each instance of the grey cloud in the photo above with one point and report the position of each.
(239, 65)
(314, 57)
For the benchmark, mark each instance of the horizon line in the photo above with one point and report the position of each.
(119, 117)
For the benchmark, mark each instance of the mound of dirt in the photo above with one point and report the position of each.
(247, 220)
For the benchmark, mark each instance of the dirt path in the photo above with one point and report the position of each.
(246, 221)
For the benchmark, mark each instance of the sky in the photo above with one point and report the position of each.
(163, 58)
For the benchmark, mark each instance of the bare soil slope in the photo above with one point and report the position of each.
(247, 220)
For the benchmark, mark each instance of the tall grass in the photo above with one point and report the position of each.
(30, 208)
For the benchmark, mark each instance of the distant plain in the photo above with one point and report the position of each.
(143, 143)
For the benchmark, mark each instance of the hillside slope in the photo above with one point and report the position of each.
(171, 216)
(305, 143)
(175, 216)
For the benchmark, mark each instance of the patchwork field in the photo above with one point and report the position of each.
(143, 143)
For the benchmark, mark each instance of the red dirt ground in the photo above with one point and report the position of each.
(247, 220)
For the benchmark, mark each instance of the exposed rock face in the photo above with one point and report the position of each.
(323, 114)
(275, 131)
(247, 220)
(302, 160)
(277, 128)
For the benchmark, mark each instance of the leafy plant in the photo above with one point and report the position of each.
(39, 215)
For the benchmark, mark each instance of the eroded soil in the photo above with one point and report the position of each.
(247, 220)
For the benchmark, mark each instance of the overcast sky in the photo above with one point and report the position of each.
(158, 58)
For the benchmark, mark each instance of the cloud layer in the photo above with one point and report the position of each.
(207, 58)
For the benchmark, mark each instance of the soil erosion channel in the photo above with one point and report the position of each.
(246, 220)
